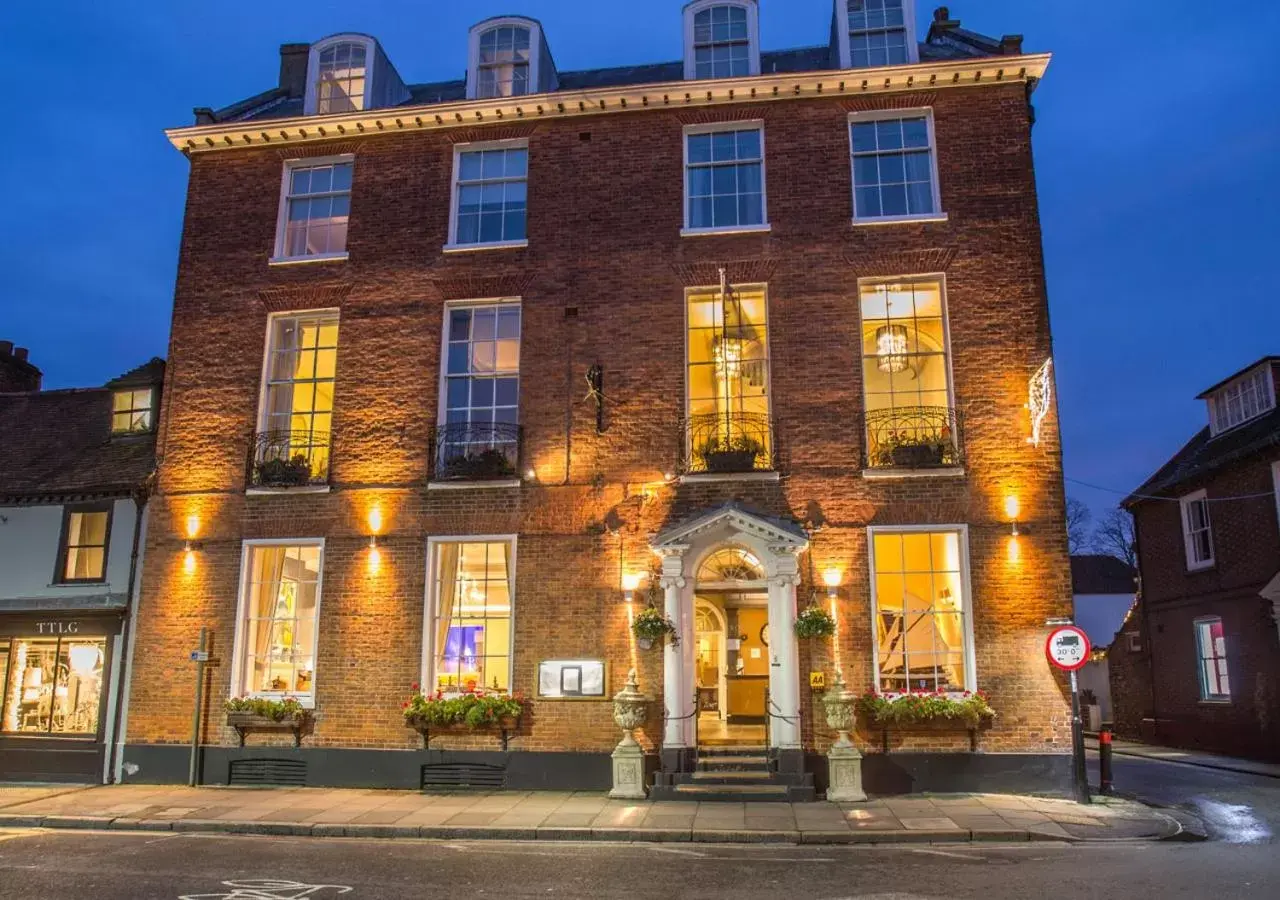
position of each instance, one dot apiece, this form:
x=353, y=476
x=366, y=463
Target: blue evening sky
x=1157, y=149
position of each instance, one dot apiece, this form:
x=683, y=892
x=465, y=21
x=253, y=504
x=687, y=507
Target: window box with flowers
x=467, y=713
x=250, y=714
x=926, y=711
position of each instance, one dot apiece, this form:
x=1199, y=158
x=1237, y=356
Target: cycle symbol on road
x=270, y=889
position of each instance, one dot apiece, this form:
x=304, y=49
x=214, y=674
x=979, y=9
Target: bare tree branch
x=1078, y=516
x=1114, y=536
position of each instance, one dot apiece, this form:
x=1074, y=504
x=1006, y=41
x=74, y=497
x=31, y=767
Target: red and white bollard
x=1104, y=761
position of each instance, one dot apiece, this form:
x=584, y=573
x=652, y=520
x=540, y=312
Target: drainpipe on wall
x=1148, y=635
x=115, y=752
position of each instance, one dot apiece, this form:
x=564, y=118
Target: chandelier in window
x=891, y=348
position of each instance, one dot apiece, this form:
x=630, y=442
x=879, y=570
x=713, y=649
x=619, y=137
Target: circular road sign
x=1068, y=648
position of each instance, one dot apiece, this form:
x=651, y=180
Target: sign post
x=1068, y=648
x=200, y=658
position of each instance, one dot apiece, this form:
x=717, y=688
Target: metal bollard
x=1104, y=761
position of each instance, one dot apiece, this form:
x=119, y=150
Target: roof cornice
x=927, y=76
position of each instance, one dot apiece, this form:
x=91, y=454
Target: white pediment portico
x=777, y=544
x=1272, y=592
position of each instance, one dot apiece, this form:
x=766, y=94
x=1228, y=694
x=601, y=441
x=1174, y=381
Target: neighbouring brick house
x=75, y=471
x=534, y=336
x=1208, y=529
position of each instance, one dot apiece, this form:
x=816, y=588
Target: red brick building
x=1209, y=553
x=454, y=362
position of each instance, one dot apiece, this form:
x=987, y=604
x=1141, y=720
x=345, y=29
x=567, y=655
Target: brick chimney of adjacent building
x=16, y=374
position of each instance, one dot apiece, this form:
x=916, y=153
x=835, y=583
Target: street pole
x=1080, y=775
x=200, y=657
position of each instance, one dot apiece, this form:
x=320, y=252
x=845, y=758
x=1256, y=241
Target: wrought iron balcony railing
x=729, y=442
x=913, y=437
x=283, y=459
x=476, y=451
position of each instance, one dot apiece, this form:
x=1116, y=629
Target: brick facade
x=1246, y=538
x=601, y=282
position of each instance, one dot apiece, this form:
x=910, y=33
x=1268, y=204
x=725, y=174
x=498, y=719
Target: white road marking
x=969, y=856
x=269, y=889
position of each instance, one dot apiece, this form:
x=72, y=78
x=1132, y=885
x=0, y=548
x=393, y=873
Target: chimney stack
x=17, y=375
x=293, y=69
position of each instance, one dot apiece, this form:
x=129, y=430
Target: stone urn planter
x=630, y=710
x=844, y=762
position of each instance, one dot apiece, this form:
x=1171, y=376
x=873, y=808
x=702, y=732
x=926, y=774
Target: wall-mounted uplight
x=1013, y=510
x=375, y=527
x=630, y=584
x=832, y=578
x=193, y=531
x=531, y=475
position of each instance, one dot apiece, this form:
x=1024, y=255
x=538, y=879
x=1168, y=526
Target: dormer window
x=509, y=58
x=876, y=33
x=349, y=73
x=340, y=79
x=132, y=411
x=721, y=39
x=1242, y=400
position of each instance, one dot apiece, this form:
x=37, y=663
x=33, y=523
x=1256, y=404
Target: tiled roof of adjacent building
x=58, y=444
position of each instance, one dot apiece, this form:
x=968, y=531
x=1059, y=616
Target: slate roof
x=1102, y=574
x=58, y=444
x=955, y=43
x=1205, y=454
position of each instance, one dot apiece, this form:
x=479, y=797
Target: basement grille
x=284, y=772
x=463, y=776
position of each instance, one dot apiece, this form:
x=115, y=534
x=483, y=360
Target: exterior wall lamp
x=190, y=545
x=1013, y=509
x=832, y=578
x=375, y=526
x=630, y=584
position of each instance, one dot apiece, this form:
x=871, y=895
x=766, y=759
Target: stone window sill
x=307, y=260
x=496, y=245
x=275, y=492
x=899, y=474
x=732, y=229
x=901, y=220
x=473, y=485
x=714, y=477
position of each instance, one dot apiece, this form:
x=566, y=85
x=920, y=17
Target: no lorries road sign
x=1068, y=648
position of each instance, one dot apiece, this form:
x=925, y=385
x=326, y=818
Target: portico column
x=784, y=657
x=677, y=693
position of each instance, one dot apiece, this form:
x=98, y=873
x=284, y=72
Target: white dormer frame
x=1265, y=382
x=311, y=98
x=842, y=32
x=753, y=33
x=536, y=51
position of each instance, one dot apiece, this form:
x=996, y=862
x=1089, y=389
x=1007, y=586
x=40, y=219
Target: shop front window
x=52, y=685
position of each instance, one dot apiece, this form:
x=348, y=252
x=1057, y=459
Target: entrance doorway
x=731, y=653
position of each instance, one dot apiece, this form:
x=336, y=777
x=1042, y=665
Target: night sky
x=1157, y=148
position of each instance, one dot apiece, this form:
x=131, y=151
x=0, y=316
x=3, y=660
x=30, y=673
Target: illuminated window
x=1242, y=400
x=721, y=42
x=490, y=194
x=504, y=62
x=894, y=170
x=728, y=380
x=131, y=411
x=472, y=587
x=1197, y=530
x=340, y=83
x=911, y=422
x=279, y=616
x=481, y=393
x=85, y=533
x=724, y=178
x=315, y=209
x=923, y=638
x=1211, y=647
x=879, y=32
x=52, y=685
x=297, y=406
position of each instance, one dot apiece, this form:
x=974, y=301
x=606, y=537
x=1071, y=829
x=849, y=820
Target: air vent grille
x=284, y=772
x=463, y=776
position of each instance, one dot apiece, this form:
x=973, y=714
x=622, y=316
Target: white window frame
x=535, y=54
x=452, y=246
x=311, y=99
x=753, y=35
x=939, y=215
x=427, y=670
x=282, y=214
x=842, y=35
x=1185, y=504
x=1205, y=695
x=1266, y=381
x=237, y=671
x=966, y=585
x=747, y=125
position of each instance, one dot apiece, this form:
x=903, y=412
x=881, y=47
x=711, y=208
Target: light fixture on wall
x=1013, y=509
x=193, y=530
x=630, y=584
x=832, y=578
x=375, y=526
x=891, y=348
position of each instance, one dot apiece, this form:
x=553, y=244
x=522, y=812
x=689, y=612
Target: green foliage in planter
x=473, y=710
x=652, y=624
x=882, y=710
x=815, y=622
x=294, y=471
x=491, y=463
x=275, y=710
x=738, y=444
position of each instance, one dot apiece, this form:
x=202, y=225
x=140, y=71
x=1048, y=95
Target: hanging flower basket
x=651, y=626
x=815, y=622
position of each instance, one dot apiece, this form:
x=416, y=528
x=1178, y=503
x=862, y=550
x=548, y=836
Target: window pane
x=279, y=627
x=472, y=616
